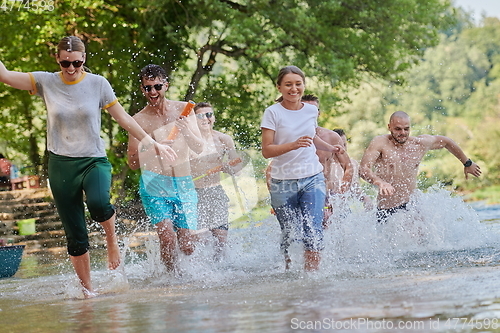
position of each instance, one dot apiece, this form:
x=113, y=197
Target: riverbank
x=490, y=194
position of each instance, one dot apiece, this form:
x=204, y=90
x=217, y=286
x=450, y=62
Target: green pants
x=70, y=178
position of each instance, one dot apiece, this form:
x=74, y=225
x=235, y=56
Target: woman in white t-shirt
x=77, y=156
x=297, y=183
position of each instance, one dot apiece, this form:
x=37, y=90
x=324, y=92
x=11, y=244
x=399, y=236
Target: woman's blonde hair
x=71, y=44
x=288, y=70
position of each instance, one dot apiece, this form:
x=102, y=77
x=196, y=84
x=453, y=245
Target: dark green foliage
x=221, y=51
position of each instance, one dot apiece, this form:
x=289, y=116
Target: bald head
x=399, y=126
x=399, y=115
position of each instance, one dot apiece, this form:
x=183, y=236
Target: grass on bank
x=259, y=213
x=490, y=194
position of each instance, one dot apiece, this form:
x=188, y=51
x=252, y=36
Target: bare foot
x=311, y=260
x=288, y=262
x=89, y=294
x=114, y=259
x=170, y=263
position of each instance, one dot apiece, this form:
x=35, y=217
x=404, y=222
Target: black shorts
x=213, y=208
x=383, y=214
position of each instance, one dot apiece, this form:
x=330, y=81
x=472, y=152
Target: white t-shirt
x=288, y=126
x=74, y=112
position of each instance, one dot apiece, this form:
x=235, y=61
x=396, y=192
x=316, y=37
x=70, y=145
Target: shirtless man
x=337, y=173
x=213, y=203
x=335, y=182
x=391, y=163
x=166, y=188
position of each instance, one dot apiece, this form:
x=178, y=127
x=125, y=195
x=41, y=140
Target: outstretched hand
x=182, y=123
x=338, y=149
x=165, y=152
x=385, y=188
x=344, y=187
x=303, y=141
x=474, y=170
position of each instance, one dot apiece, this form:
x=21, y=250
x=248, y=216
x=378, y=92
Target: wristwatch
x=468, y=163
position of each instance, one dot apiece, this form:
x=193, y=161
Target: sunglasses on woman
x=66, y=63
x=202, y=115
x=157, y=87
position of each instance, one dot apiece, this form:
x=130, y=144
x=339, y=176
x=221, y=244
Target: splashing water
x=435, y=222
x=437, y=260
x=437, y=227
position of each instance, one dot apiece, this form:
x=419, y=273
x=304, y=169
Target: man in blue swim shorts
x=166, y=188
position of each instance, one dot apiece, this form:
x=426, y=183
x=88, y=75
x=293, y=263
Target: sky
x=490, y=7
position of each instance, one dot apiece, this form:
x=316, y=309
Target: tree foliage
x=453, y=91
x=221, y=51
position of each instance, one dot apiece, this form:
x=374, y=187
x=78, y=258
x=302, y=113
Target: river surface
x=435, y=268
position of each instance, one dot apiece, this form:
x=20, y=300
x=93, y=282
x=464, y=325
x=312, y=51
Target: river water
x=432, y=269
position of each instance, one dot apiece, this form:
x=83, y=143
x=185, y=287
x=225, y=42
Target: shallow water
x=434, y=268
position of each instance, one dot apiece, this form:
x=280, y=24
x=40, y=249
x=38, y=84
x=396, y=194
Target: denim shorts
x=298, y=204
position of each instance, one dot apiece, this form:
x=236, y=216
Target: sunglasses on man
x=202, y=115
x=157, y=87
x=66, y=63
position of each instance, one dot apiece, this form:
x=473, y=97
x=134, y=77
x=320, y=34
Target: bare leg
x=311, y=260
x=81, y=264
x=168, y=243
x=327, y=213
x=112, y=243
x=288, y=262
x=198, y=236
x=220, y=242
x=186, y=241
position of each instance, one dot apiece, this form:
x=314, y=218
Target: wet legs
x=169, y=239
x=220, y=242
x=81, y=264
x=311, y=260
x=111, y=243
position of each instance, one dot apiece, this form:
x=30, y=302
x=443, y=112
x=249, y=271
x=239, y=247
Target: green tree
x=223, y=51
x=453, y=91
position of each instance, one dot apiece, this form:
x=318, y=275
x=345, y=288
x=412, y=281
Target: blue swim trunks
x=169, y=198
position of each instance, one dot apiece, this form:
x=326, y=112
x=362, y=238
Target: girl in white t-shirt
x=297, y=183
